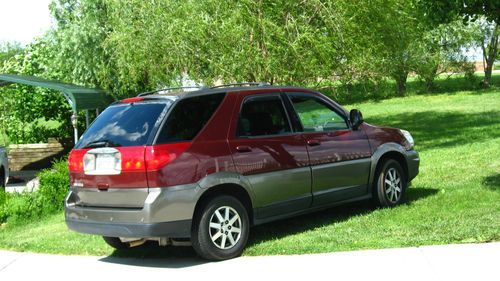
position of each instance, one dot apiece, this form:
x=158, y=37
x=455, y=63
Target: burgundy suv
x=204, y=166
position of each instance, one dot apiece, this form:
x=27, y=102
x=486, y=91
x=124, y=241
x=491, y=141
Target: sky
x=23, y=20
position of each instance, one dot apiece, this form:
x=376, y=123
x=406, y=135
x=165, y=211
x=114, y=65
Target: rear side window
x=188, y=117
x=262, y=116
x=128, y=124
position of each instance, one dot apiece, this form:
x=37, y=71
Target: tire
x=390, y=185
x=216, y=239
x=2, y=178
x=116, y=243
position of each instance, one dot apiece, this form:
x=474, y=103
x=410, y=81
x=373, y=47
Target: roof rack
x=169, y=89
x=242, y=84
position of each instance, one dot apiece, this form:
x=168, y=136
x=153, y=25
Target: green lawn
x=455, y=199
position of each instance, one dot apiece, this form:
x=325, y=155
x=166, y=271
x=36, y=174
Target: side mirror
x=356, y=118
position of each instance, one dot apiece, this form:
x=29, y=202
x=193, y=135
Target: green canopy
x=78, y=97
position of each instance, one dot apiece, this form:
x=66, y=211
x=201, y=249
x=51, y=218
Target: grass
x=455, y=199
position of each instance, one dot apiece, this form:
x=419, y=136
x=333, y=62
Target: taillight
x=75, y=160
x=133, y=158
x=158, y=156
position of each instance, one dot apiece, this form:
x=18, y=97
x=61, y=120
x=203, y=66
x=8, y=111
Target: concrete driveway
x=447, y=262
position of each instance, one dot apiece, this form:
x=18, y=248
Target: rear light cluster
x=133, y=158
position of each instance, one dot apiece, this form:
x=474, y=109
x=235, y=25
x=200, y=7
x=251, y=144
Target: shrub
x=49, y=198
x=54, y=184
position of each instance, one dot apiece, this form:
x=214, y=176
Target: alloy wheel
x=393, y=185
x=225, y=227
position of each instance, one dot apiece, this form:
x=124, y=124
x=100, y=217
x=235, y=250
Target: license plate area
x=102, y=161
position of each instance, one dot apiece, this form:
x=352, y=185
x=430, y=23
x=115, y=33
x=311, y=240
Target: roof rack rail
x=169, y=89
x=242, y=84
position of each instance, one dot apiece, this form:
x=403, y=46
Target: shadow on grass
x=152, y=255
x=280, y=229
x=492, y=182
x=432, y=129
x=368, y=91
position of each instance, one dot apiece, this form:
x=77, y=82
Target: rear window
x=188, y=117
x=128, y=124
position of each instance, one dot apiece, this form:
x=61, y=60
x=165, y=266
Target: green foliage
x=21, y=107
x=17, y=208
x=9, y=50
x=54, y=184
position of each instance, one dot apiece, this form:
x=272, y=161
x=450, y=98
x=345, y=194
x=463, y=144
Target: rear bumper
x=165, y=212
x=175, y=229
x=413, y=163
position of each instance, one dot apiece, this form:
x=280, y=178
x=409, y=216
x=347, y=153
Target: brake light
x=158, y=156
x=132, y=99
x=75, y=160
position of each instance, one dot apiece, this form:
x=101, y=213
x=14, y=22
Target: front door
x=339, y=156
x=271, y=156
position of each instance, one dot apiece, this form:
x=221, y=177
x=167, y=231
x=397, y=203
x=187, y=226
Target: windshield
x=127, y=124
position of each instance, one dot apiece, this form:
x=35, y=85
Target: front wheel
x=221, y=229
x=390, y=185
x=2, y=178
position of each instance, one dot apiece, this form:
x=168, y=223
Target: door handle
x=243, y=148
x=313, y=142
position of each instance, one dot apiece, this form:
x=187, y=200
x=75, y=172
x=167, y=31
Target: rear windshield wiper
x=100, y=143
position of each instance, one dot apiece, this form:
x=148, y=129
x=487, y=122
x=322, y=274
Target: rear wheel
x=116, y=243
x=220, y=229
x=390, y=185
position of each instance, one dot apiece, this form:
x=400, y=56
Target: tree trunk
x=490, y=54
x=401, y=83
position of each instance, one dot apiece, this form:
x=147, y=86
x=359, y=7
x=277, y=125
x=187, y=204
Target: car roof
x=181, y=94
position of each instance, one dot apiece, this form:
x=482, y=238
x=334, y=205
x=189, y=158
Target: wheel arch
x=388, y=151
x=231, y=189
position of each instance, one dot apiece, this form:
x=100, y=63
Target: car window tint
x=128, y=124
x=262, y=116
x=188, y=117
x=315, y=115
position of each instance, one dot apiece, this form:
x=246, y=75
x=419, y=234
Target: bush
x=54, y=184
x=49, y=198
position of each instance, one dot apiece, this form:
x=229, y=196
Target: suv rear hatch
x=108, y=164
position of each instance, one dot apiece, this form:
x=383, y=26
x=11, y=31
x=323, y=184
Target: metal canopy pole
x=86, y=118
x=74, y=122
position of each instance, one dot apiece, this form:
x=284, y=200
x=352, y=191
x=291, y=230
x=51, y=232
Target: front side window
x=263, y=116
x=315, y=115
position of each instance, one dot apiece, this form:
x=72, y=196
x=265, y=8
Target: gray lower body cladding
x=413, y=163
x=174, y=229
x=164, y=212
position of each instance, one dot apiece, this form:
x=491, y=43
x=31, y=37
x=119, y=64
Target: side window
x=188, y=117
x=315, y=115
x=262, y=116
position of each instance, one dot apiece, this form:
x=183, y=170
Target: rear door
x=271, y=156
x=339, y=156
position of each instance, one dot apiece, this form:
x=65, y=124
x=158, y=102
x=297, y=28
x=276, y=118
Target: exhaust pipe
x=136, y=243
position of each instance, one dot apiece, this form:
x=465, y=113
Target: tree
x=390, y=29
x=272, y=41
x=23, y=106
x=441, y=50
x=9, y=50
x=444, y=11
